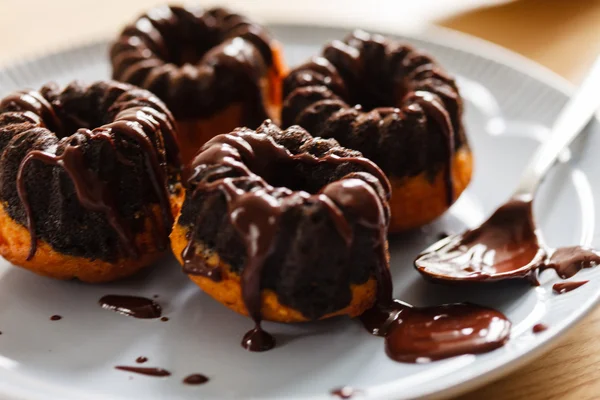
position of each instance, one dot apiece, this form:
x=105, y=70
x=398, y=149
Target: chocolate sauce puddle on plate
x=149, y=371
x=195, y=379
x=55, y=318
x=132, y=306
x=258, y=340
x=537, y=328
x=141, y=359
x=564, y=287
x=506, y=246
x=416, y=335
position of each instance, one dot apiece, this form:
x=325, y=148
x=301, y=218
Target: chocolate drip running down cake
x=215, y=70
x=281, y=226
x=398, y=107
x=85, y=179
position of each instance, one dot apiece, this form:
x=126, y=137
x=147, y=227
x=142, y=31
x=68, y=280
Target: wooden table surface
x=560, y=34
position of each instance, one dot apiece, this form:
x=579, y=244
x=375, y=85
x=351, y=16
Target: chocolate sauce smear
x=158, y=372
x=537, y=328
x=132, y=306
x=345, y=392
x=506, y=246
x=195, y=379
x=567, y=261
x=564, y=287
x=416, y=335
x=141, y=360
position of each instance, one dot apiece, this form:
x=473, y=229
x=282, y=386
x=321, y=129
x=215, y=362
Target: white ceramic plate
x=509, y=105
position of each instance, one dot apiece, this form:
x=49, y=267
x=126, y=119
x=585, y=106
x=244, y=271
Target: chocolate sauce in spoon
x=506, y=246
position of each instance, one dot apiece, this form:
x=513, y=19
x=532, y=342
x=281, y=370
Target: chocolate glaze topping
x=256, y=213
x=132, y=306
x=197, y=61
x=384, y=98
x=157, y=372
x=195, y=379
x=126, y=115
x=564, y=287
x=506, y=246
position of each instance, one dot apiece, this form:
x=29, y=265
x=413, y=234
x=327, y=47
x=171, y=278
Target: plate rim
x=437, y=35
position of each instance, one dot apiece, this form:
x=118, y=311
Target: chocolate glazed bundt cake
x=281, y=226
x=215, y=70
x=86, y=173
x=399, y=108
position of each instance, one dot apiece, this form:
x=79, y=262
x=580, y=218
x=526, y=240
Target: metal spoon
x=508, y=245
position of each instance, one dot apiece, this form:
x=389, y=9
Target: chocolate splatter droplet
x=158, y=372
x=132, y=306
x=195, y=379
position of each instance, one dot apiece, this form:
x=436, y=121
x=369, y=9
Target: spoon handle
x=568, y=125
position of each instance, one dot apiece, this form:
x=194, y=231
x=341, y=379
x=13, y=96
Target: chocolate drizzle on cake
x=256, y=213
x=434, y=108
x=197, y=61
x=126, y=114
x=506, y=246
x=384, y=98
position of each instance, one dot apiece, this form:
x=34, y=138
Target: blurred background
x=563, y=35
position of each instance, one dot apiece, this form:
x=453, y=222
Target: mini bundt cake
x=395, y=105
x=214, y=69
x=86, y=176
x=281, y=226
